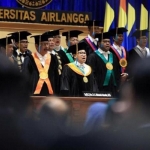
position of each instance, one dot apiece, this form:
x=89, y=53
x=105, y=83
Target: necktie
x=144, y=52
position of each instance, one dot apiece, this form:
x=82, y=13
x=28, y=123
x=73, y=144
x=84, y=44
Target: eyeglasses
x=82, y=53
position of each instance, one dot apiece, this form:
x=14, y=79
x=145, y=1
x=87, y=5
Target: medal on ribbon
x=109, y=66
x=123, y=62
x=85, y=79
x=43, y=75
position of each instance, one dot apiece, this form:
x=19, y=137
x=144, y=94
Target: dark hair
x=13, y=86
x=141, y=81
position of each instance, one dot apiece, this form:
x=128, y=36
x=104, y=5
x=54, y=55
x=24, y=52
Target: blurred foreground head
x=54, y=109
x=14, y=93
x=141, y=82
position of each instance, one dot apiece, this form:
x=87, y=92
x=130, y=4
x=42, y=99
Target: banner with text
x=44, y=16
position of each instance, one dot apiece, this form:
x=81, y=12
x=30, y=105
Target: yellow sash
x=43, y=74
x=78, y=71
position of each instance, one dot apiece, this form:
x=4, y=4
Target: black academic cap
x=93, y=22
x=105, y=35
x=44, y=37
x=36, y=38
x=20, y=34
x=5, y=41
x=119, y=30
x=40, y=38
x=138, y=33
x=49, y=34
x=74, y=48
x=72, y=33
x=55, y=32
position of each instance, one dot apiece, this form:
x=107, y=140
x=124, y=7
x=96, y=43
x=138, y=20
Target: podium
x=78, y=106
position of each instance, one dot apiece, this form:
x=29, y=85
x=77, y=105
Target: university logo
x=34, y=4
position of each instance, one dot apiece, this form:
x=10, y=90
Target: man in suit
x=140, y=51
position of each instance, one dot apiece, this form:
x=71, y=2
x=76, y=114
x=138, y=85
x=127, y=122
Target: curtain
x=97, y=7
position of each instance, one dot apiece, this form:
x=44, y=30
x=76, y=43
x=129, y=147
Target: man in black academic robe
x=119, y=51
x=7, y=47
x=77, y=77
x=71, y=39
x=140, y=51
x=105, y=66
x=91, y=43
x=22, y=44
x=33, y=74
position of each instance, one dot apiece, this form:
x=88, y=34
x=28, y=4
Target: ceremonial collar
x=117, y=47
x=78, y=64
x=103, y=52
x=92, y=39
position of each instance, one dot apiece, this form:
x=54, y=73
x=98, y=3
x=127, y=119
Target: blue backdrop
x=97, y=7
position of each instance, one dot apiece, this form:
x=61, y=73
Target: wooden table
x=78, y=106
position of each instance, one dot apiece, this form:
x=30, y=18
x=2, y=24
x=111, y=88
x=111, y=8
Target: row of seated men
x=90, y=65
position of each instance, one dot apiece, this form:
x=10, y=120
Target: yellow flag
x=143, y=18
x=122, y=21
x=131, y=17
x=109, y=17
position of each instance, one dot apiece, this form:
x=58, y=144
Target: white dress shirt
x=105, y=54
x=42, y=58
x=118, y=48
x=145, y=49
x=93, y=40
x=18, y=53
